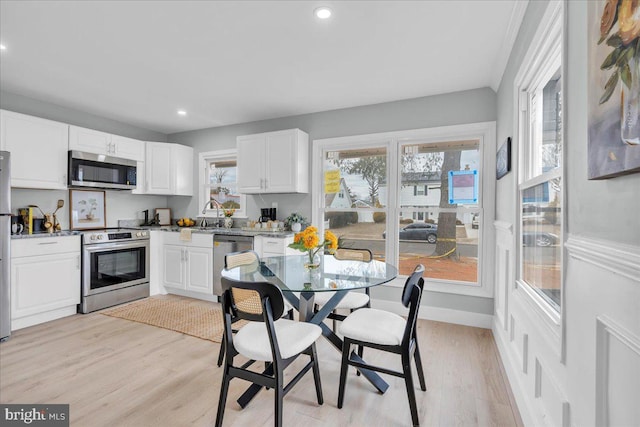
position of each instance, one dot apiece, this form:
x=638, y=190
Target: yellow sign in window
x=332, y=181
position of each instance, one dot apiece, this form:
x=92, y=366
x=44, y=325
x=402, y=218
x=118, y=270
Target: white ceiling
x=228, y=62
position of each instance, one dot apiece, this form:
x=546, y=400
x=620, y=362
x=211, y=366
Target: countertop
x=63, y=233
x=225, y=231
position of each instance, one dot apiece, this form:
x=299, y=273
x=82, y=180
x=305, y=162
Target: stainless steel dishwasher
x=222, y=245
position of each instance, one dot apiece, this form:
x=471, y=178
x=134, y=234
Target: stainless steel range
x=115, y=267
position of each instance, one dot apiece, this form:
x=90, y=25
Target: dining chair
x=388, y=332
x=352, y=300
x=236, y=259
x=276, y=342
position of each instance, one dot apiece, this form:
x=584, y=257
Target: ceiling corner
x=517, y=15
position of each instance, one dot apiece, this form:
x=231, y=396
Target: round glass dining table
x=299, y=284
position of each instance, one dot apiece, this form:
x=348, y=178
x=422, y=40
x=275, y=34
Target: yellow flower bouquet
x=308, y=241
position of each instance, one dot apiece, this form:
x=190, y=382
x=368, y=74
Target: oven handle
x=116, y=245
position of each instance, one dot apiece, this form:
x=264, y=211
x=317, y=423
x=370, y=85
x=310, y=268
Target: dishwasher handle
x=228, y=238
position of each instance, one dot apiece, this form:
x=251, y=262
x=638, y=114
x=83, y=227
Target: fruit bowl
x=185, y=222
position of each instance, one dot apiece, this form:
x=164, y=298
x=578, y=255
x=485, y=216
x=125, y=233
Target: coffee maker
x=267, y=214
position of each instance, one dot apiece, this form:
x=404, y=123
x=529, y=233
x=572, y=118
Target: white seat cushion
x=374, y=326
x=350, y=301
x=252, y=340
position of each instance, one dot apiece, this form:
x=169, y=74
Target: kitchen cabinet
x=168, y=169
x=268, y=246
x=188, y=266
x=45, y=279
x=93, y=141
x=273, y=162
x=38, y=150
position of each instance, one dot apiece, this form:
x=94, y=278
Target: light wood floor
x=115, y=372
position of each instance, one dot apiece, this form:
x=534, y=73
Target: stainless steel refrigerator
x=5, y=245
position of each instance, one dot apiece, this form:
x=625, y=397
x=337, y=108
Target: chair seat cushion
x=252, y=340
x=350, y=301
x=374, y=326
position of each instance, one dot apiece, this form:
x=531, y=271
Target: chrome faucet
x=211, y=202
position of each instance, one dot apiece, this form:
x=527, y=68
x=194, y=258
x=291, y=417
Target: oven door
x=110, y=266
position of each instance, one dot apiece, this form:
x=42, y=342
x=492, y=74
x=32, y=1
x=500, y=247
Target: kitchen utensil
x=56, y=224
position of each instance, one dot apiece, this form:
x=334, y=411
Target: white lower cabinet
x=188, y=266
x=268, y=246
x=45, y=279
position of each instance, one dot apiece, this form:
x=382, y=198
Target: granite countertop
x=225, y=231
x=63, y=233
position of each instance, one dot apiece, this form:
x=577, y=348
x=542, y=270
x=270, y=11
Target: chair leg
x=411, y=394
x=223, y=346
x=223, y=397
x=416, y=356
x=316, y=374
x=360, y=353
x=335, y=323
x=279, y=395
x=346, y=348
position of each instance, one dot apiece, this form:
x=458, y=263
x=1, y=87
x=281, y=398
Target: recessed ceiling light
x=182, y=113
x=322, y=12
x=3, y=47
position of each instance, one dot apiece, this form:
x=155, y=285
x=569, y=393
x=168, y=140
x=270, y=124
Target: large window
x=219, y=182
x=391, y=194
x=540, y=190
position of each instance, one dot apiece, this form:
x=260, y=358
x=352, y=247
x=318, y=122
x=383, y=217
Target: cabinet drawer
x=197, y=239
x=44, y=246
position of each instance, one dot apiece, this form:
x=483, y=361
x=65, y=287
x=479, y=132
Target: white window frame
x=542, y=60
x=485, y=132
x=203, y=160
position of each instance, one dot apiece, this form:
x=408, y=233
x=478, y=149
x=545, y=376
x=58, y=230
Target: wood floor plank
x=115, y=372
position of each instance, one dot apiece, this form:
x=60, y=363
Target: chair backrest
x=252, y=300
x=411, y=296
x=234, y=259
x=353, y=254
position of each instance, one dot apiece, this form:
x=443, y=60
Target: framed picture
x=613, y=89
x=503, y=159
x=164, y=216
x=87, y=209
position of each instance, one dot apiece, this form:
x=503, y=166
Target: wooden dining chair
x=389, y=332
x=276, y=342
x=237, y=259
x=353, y=299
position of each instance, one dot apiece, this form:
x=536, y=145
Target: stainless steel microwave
x=100, y=171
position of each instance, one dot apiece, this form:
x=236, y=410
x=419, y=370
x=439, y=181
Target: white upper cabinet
x=169, y=169
x=273, y=162
x=93, y=141
x=38, y=150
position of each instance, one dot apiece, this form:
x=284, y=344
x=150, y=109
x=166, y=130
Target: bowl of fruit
x=185, y=222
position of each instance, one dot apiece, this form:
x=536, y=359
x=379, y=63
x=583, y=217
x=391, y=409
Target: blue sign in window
x=463, y=187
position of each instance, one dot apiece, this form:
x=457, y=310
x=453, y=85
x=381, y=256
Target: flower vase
x=228, y=222
x=630, y=108
x=313, y=261
x=296, y=227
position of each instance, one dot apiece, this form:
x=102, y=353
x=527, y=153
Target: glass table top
x=289, y=273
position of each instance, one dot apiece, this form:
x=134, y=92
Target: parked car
x=539, y=238
x=418, y=231
x=474, y=222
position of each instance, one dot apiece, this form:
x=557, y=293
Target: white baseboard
x=513, y=368
x=438, y=314
x=47, y=316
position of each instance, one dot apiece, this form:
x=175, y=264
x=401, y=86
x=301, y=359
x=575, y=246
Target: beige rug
x=201, y=319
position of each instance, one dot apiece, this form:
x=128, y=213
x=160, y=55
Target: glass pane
x=358, y=230
x=419, y=235
x=541, y=242
x=223, y=183
x=355, y=178
x=550, y=148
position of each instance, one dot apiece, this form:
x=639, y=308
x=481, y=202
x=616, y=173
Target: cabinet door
x=199, y=268
x=38, y=150
x=183, y=158
x=43, y=283
x=251, y=164
x=127, y=148
x=159, y=171
x=90, y=141
x=281, y=162
x=173, y=266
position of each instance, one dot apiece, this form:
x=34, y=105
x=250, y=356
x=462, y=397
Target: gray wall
x=119, y=205
x=471, y=106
